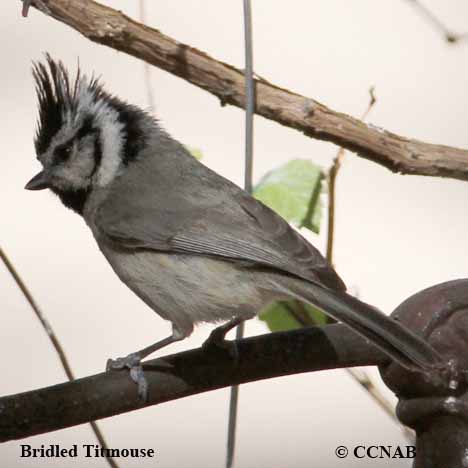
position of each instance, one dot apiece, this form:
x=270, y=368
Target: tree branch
x=180, y=375
x=109, y=27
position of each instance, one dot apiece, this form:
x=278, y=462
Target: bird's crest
x=60, y=97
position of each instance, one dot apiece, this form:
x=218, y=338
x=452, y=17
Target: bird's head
x=84, y=134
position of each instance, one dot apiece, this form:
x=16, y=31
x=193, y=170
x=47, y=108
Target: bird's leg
x=133, y=361
x=218, y=337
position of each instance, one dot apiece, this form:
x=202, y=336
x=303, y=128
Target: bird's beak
x=38, y=182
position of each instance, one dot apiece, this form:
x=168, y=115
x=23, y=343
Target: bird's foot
x=217, y=339
x=133, y=363
x=127, y=362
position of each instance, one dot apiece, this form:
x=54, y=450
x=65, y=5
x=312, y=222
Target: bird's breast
x=202, y=288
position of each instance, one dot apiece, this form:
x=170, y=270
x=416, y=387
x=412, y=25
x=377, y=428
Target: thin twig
x=332, y=173
x=55, y=342
x=146, y=67
x=248, y=169
x=27, y=5
x=431, y=18
x=364, y=380
x=360, y=377
x=25, y=9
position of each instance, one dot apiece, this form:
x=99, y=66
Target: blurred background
x=395, y=235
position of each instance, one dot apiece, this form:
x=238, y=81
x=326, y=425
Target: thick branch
x=112, y=28
x=184, y=374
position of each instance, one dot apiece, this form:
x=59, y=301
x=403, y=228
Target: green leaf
x=289, y=315
x=278, y=317
x=195, y=152
x=293, y=191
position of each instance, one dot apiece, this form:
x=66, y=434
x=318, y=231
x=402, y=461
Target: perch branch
x=180, y=375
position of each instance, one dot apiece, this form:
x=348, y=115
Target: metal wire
x=249, y=113
x=146, y=66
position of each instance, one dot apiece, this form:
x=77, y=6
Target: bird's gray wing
x=192, y=210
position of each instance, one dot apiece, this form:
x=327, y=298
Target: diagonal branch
x=109, y=27
x=184, y=374
x=55, y=343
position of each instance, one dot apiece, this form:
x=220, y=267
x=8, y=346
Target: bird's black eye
x=63, y=152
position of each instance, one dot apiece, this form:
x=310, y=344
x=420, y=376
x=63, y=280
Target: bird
x=191, y=244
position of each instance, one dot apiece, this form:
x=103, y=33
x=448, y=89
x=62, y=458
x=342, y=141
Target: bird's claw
x=138, y=376
x=217, y=340
x=132, y=360
x=133, y=363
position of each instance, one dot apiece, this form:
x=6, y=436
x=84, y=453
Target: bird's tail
x=390, y=336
